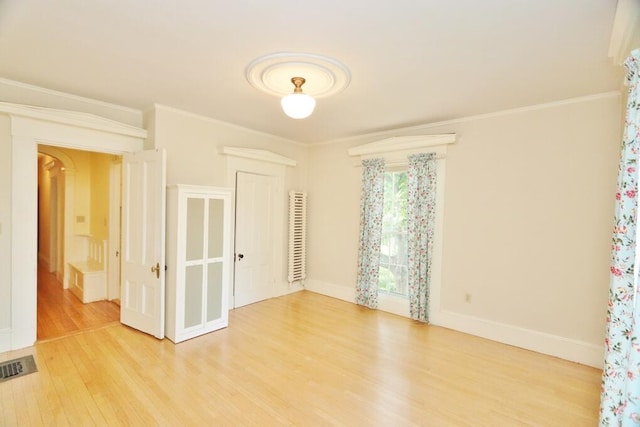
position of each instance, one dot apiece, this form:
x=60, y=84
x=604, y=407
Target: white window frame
x=395, y=152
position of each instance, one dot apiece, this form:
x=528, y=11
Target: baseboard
x=289, y=288
x=344, y=293
x=5, y=340
x=15, y=339
x=541, y=342
x=552, y=345
x=23, y=337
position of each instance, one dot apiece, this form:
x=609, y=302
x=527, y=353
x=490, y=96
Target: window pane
x=393, y=249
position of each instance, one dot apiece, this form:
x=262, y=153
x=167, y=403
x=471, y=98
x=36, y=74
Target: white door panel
x=254, y=238
x=143, y=235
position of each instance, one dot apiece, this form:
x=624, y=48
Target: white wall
x=193, y=143
x=528, y=214
x=527, y=224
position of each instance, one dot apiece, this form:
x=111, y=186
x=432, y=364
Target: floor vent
x=17, y=367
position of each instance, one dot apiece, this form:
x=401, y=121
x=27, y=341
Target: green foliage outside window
x=393, y=250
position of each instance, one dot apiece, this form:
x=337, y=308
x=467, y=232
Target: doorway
x=29, y=127
x=265, y=171
x=75, y=200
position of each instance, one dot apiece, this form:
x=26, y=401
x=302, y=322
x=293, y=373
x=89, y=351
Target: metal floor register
x=17, y=367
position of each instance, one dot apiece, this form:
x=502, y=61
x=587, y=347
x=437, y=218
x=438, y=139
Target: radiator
x=297, y=236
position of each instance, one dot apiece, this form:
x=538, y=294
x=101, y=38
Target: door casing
x=29, y=127
x=264, y=163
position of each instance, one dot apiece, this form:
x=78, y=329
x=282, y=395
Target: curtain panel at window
x=421, y=209
x=620, y=397
x=371, y=208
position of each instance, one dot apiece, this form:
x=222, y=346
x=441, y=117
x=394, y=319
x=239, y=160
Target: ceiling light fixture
x=323, y=77
x=298, y=105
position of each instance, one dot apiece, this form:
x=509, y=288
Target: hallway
x=60, y=313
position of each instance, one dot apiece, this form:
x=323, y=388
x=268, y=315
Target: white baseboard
x=22, y=337
x=16, y=338
x=541, y=342
x=286, y=288
x=552, y=345
x=344, y=293
x=5, y=340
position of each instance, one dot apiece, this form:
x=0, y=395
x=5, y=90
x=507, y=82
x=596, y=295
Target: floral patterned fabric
x=620, y=395
x=371, y=207
x=421, y=209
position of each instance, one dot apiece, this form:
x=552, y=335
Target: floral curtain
x=421, y=205
x=371, y=207
x=620, y=395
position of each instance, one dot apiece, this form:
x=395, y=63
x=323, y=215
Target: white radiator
x=297, y=236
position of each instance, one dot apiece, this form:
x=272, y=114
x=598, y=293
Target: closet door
x=198, y=240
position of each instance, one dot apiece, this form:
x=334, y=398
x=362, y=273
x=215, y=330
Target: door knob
x=240, y=256
x=156, y=269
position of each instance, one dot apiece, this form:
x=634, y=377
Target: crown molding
x=56, y=93
x=196, y=116
x=625, y=34
x=426, y=126
x=261, y=155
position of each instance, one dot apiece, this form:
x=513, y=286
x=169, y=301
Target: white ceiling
x=411, y=61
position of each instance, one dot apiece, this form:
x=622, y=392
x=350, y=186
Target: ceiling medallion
x=274, y=73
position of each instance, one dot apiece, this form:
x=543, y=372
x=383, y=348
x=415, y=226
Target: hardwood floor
x=302, y=359
x=61, y=313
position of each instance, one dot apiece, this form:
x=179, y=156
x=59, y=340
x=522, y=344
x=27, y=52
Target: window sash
x=393, y=250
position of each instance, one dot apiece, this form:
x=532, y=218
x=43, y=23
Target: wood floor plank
x=61, y=313
x=301, y=360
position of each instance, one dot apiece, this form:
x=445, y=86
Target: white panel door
x=254, y=239
x=143, y=234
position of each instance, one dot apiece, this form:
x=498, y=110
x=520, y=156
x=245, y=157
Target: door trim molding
x=115, y=247
x=30, y=127
x=240, y=163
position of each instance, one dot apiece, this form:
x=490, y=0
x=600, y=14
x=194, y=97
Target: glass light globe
x=298, y=105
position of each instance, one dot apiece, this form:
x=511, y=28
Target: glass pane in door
x=214, y=291
x=195, y=228
x=193, y=296
x=216, y=224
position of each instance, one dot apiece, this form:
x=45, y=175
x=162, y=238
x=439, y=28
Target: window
x=392, y=262
x=393, y=250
